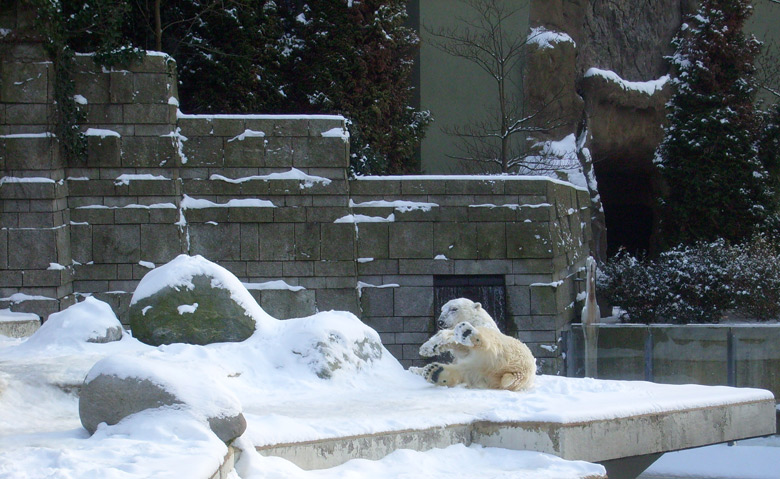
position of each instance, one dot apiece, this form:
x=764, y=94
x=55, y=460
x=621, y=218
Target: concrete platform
x=18, y=325
x=625, y=445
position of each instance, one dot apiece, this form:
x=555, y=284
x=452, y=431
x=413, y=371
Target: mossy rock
x=203, y=314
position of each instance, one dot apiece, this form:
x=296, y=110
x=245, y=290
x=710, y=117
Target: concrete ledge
x=608, y=440
x=18, y=325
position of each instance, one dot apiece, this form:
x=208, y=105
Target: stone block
x=11, y=279
x=485, y=266
x=296, y=269
x=289, y=215
x=266, y=125
x=31, y=249
x=116, y=243
x=372, y=240
x=95, y=272
x=290, y=127
x=152, y=88
x=120, y=87
x=104, y=114
x=378, y=266
x=474, y=187
x=208, y=240
x=518, y=300
x=529, y=240
x=279, y=152
x=285, y=304
x=29, y=153
x=161, y=243
x=201, y=151
x=131, y=215
x=543, y=299
x=377, y=302
x=195, y=126
x=92, y=85
x=249, y=241
x=426, y=266
x=375, y=186
x=422, y=187
x=147, y=113
x=247, y=152
x=104, y=151
x=491, y=240
x=455, y=240
x=3, y=249
x=276, y=242
x=519, y=186
x=155, y=63
x=320, y=152
x=318, y=126
x=251, y=214
x=148, y=151
x=342, y=299
x=228, y=127
x=25, y=82
x=329, y=268
x=411, y=240
x=338, y=241
x=307, y=241
x=413, y=301
x=382, y=324
x=265, y=270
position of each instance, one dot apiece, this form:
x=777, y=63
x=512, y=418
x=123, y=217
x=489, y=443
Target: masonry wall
x=269, y=198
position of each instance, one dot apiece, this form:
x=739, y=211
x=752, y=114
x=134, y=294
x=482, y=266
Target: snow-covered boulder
x=121, y=385
x=192, y=300
x=331, y=341
x=90, y=321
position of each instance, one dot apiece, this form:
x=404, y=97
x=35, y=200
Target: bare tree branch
x=502, y=141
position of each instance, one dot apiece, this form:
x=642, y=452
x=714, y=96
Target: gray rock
x=217, y=318
x=110, y=399
x=110, y=334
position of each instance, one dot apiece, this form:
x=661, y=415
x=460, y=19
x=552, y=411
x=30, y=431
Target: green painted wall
x=765, y=25
x=453, y=89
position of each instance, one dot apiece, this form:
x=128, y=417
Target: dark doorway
x=489, y=290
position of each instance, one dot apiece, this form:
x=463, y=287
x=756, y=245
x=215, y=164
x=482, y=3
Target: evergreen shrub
x=696, y=283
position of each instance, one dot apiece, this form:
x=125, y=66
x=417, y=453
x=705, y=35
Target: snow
x=273, y=285
x=6, y=315
x=260, y=117
x=27, y=179
x=647, y=87
x=365, y=219
x=247, y=134
x=292, y=174
x=543, y=38
x=102, y=133
x=22, y=297
x=126, y=178
x=338, y=132
x=80, y=100
x=749, y=459
x=400, y=205
x=190, y=203
x=272, y=378
x=29, y=135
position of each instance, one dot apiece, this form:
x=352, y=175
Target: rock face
x=109, y=399
x=200, y=307
x=623, y=127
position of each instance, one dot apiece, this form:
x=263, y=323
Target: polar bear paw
x=433, y=373
x=436, y=345
x=464, y=333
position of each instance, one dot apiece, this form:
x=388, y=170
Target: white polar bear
x=493, y=360
x=458, y=310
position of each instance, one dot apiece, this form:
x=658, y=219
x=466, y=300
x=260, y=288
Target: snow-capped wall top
x=648, y=87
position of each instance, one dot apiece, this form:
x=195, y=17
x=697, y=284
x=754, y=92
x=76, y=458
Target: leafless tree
x=502, y=138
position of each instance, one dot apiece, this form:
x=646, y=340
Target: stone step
x=18, y=325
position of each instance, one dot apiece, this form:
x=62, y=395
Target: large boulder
x=192, y=300
x=120, y=386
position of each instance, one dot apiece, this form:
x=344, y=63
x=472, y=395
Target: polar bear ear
x=477, y=305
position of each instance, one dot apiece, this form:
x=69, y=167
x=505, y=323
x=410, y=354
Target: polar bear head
x=459, y=310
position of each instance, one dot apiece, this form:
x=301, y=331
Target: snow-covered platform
x=625, y=425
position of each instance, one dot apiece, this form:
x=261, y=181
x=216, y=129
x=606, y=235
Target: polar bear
x=458, y=310
x=493, y=361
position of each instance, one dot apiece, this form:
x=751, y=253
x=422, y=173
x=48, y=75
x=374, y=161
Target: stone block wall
x=269, y=198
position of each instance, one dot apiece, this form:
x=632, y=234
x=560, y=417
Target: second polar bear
x=494, y=360
x=458, y=310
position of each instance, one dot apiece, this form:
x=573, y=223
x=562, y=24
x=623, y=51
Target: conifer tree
x=716, y=184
